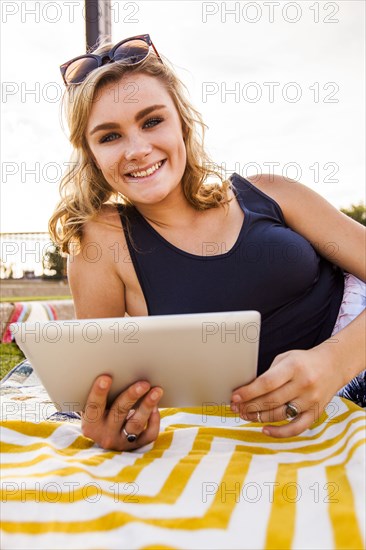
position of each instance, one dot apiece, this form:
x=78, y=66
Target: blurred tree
x=357, y=212
x=54, y=265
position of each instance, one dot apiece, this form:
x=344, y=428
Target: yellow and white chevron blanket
x=210, y=480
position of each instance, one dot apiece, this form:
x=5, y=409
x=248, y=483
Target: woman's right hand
x=106, y=426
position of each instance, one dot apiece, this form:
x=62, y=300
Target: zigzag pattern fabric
x=210, y=480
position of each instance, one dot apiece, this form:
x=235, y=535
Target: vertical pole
x=97, y=22
x=105, y=23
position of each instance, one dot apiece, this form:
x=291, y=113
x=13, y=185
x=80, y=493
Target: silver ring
x=259, y=417
x=130, y=437
x=291, y=411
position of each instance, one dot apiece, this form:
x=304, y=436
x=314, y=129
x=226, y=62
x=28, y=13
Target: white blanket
x=210, y=481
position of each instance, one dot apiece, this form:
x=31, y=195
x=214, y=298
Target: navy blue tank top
x=270, y=268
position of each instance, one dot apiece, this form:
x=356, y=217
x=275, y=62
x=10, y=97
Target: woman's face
x=135, y=135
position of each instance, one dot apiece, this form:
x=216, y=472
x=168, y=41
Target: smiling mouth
x=148, y=172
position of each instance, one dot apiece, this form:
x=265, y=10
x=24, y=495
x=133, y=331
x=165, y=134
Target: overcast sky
x=295, y=71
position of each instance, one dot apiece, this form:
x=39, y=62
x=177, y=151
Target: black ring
x=131, y=438
x=291, y=411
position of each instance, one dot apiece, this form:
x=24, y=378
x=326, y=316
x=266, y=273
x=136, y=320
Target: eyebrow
x=139, y=116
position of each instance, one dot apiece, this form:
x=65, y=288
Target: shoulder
x=104, y=225
x=102, y=239
x=332, y=233
x=277, y=187
x=298, y=202
x=293, y=197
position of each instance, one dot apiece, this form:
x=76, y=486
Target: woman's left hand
x=306, y=379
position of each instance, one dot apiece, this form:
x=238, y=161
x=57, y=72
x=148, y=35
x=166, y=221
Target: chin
x=152, y=199
x=156, y=195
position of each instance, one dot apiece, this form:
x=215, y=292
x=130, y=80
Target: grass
x=10, y=356
x=33, y=298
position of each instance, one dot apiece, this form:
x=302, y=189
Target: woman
x=151, y=238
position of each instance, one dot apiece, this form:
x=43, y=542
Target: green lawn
x=10, y=355
x=33, y=298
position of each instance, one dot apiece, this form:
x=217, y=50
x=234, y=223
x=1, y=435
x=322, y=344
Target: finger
x=266, y=383
x=293, y=428
x=97, y=400
x=124, y=403
x=110, y=437
x=152, y=430
x=269, y=402
x=138, y=422
x=275, y=414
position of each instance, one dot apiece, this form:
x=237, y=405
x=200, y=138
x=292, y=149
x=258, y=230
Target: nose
x=137, y=148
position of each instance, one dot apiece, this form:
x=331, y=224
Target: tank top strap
x=254, y=200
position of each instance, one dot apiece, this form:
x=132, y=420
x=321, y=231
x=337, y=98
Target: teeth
x=147, y=172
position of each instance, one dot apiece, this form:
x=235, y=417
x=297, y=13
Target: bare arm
x=310, y=378
x=338, y=238
x=94, y=274
x=98, y=290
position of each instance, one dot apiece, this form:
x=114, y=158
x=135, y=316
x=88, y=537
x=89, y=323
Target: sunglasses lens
x=79, y=69
x=131, y=52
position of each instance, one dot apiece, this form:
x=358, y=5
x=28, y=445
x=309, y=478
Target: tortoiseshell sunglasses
x=130, y=51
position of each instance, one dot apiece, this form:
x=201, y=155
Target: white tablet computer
x=198, y=359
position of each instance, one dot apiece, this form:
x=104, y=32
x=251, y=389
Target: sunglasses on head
x=130, y=51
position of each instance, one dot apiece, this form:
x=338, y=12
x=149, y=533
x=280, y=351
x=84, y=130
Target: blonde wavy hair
x=83, y=188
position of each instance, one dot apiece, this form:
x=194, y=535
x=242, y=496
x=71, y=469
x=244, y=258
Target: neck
x=173, y=211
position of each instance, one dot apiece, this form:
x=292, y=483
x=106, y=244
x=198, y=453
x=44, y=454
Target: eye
x=151, y=122
x=109, y=137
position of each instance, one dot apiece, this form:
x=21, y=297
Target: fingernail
x=155, y=395
x=266, y=431
x=155, y=409
x=140, y=388
x=234, y=408
x=103, y=383
x=236, y=398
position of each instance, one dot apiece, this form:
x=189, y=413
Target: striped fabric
x=210, y=481
x=28, y=311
